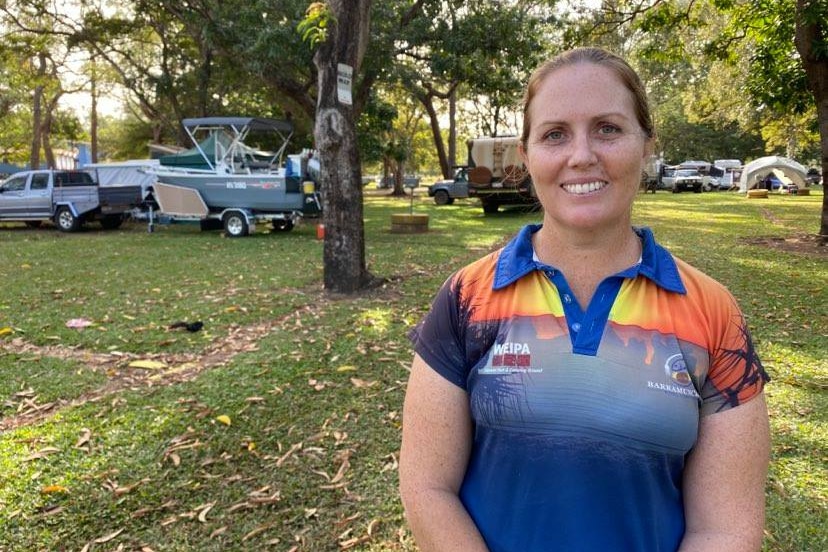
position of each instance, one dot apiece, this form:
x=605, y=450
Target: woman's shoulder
x=695, y=279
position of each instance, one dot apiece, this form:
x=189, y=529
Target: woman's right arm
x=436, y=443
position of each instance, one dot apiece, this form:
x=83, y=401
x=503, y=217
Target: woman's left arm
x=724, y=481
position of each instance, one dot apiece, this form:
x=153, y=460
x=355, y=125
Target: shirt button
x=576, y=327
x=567, y=298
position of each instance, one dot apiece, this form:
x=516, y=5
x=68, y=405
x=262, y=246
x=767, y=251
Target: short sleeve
x=736, y=374
x=438, y=338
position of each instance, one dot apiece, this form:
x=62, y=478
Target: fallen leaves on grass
x=83, y=441
x=42, y=453
x=54, y=489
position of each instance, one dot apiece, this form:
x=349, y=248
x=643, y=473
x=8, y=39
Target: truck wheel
x=66, y=221
x=490, y=207
x=111, y=222
x=697, y=189
x=283, y=225
x=676, y=189
x=441, y=197
x=235, y=225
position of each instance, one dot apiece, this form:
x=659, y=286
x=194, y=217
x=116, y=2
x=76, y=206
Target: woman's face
x=585, y=149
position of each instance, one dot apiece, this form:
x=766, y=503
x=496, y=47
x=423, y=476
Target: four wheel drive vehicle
x=445, y=192
x=496, y=174
x=813, y=177
x=67, y=198
x=683, y=179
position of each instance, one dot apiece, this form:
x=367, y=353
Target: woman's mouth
x=584, y=187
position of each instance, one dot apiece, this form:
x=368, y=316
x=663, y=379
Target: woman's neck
x=586, y=258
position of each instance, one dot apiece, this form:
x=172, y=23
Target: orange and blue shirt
x=583, y=418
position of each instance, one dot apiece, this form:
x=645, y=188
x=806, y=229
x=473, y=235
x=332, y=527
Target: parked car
x=445, y=192
x=813, y=177
x=67, y=198
x=683, y=179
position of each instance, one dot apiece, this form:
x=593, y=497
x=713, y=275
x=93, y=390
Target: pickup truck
x=496, y=174
x=67, y=198
x=445, y=192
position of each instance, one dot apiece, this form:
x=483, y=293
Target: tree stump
x=404, y=223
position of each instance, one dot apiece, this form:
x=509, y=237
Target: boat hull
x=262, y=192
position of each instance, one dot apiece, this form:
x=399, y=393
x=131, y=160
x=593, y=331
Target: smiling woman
x=581, y=388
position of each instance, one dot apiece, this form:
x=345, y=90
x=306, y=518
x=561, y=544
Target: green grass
x=314, y=399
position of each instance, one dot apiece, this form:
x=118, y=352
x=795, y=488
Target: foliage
x=277, y=425
x=314, y=28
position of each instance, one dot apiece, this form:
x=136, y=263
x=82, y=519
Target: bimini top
x=251, y=123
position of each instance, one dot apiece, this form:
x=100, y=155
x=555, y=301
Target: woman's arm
x=724, y=481
x=436, y=443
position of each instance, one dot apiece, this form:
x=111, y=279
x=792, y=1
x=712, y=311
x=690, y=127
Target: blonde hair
x=626, y=74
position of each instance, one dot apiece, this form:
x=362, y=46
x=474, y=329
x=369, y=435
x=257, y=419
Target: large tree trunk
x=811, y=40
x=335, y=134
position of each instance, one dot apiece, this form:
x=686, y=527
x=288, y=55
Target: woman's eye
x=608, y=131
x=554, y=136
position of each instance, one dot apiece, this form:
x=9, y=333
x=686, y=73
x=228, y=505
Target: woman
x=581, y=389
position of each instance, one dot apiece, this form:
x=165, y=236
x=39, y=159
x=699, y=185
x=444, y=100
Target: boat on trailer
x=223, y=178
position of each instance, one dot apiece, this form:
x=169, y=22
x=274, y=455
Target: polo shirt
x=583, y=418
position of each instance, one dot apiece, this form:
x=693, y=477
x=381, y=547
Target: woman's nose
x=582, y=151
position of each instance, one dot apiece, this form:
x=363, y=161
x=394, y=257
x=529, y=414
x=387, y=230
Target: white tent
x=758, y=169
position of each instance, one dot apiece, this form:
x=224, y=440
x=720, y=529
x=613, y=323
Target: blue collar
x=657, y=264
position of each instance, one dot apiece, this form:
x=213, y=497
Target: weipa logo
x=511, y=354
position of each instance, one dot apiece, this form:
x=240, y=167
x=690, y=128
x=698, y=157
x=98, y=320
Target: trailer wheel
x=66, y=221
x=441, y=197
x=283, y=225
x=111, y=222
x=235, y=225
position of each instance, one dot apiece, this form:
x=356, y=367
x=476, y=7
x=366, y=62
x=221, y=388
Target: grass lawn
x=277, y=426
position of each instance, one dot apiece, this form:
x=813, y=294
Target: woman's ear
x=522, y=153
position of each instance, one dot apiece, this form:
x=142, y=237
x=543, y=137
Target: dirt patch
x=802, y=244
x=122, y=374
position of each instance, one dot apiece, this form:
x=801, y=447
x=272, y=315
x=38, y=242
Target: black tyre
x=235, y=225
x=111, y=222
x=66, y=221
x=676, y=189
x=490, y=207
x=441, y=197
x=697, y=189
x=283, y=225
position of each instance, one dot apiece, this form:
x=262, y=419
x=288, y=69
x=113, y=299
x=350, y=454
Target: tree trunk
x=452, y=137
x=428, y=102
x=811, y=40
x=399, y=178
x=335, y=135
x=93, y=117
x=37, y=115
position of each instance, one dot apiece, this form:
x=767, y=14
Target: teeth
x=584, y=188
